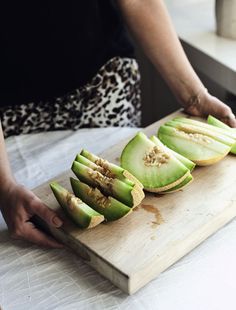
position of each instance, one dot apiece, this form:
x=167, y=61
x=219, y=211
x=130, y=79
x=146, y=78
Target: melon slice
x=202, y=150
x=78, y=211
x=108, y=206
x=185, y=161
x=107, y=168
x=152, y=165
x=222, y=126
x=129, y=195
x=115, y=174
x=194, y=127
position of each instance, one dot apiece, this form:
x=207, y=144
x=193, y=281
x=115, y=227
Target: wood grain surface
x=132, y=251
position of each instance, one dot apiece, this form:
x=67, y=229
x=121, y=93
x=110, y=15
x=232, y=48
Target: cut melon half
x=220, y=125
x=199, y=148
x=109, y=207
x=155, y=168
x=78, y=211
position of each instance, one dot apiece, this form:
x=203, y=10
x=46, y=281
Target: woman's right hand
x=18, y=205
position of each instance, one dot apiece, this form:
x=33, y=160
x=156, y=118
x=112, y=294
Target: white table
x=35, y=278
x=194, y=21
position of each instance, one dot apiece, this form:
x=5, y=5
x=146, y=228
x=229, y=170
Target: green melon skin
x=153, y=178
x=117, y=171
x=78, y=211
x=203, y=153
x=109, y=207
x=185, y=161
x=190, y=126
x=218, y=124
x=180, y=186
x=112, y=187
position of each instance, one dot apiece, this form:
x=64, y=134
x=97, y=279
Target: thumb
x=49, y=216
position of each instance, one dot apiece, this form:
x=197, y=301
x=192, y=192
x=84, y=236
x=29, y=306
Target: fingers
x=220, y=110
x=49, y=216
x=29, y=233
x=229, y=120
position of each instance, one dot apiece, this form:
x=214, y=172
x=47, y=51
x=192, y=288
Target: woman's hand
x=150, y=23
x=205, y=104
x=18, y=205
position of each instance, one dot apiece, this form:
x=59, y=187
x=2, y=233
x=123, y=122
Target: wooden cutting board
x=134, y=250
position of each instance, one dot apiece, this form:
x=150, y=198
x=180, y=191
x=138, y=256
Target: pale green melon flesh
x=215, y=122
x=113, y=187
x=152, y=177
x=218, y=124
x=190, y=128
x=117, y=171
x=210, y=126
x=204, y=152
x=111, y=208
x=180, y=186
x=185, y=161
x=78, y=211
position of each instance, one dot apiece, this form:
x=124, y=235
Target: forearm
x=6, y=176
x=150, y=23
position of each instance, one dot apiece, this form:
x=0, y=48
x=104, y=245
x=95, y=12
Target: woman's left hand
x=207, y=104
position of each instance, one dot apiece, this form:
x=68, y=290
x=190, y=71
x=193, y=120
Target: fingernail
x=57, y=221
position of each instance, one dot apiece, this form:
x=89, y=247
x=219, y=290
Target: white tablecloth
x=35, y=278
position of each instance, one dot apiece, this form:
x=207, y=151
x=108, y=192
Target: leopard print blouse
x=112, y=98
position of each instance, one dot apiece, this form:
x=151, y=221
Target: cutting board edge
x=90, y=257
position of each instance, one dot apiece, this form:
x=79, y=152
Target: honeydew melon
x=129, y=195
x=109, y=207
x=201, y=149
x=152, y=165
x=222, y=126
x=194, y=127
x=78, y=211
x=185, y=161
x=110, y=169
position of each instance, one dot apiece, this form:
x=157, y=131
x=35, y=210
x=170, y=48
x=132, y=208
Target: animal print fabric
x=112, y=98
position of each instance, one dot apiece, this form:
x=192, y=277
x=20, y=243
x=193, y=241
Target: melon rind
x=78, y=211
x=220, y=125
x=112, y=209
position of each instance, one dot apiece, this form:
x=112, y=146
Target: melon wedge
x=107, y=168
x=113, y=171
x=155, y=168
x=127, y=194
x=194, y=127
x=222, y=126
x=78, y=211
x=185, y=161
x=109, y=207
x=201, y=149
